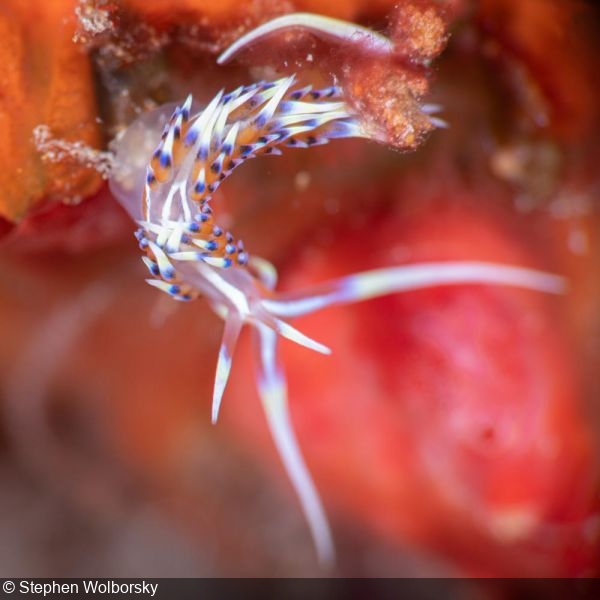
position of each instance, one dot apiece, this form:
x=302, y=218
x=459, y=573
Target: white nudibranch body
x=166, y=182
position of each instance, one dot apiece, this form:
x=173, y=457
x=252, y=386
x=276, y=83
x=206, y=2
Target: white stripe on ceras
x=165, y=267
x=173, y=244
x=268, y=110
x=195, y=133
x=229, y=141
x=205, y=139
x=176, y=188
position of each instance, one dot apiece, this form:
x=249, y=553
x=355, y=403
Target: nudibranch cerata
x=166, y=183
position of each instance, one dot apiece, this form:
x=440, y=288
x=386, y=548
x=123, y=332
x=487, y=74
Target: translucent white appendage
x=291, y=333
x=380, y=282
x=322, y=26
x=233, y=326
x=258, y=316
x=272, y=388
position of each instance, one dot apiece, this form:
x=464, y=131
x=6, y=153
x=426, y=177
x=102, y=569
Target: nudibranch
x=166, y=183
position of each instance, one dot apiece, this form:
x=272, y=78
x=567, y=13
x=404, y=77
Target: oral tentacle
x=381, y=282
x=272, y=388
x=327, y=27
